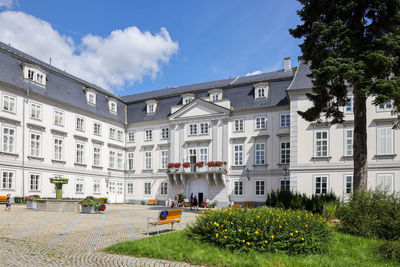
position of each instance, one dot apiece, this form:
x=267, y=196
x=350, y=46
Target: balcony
x=213, y=175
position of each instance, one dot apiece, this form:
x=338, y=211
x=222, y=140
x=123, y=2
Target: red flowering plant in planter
x=218, y=163
x=204, y=204
x=177, y=165
x=226, y=171
x=171, y=165
x=211, y=164
x=186, y=165
x=200, y=164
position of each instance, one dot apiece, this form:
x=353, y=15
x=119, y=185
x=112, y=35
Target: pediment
x=199, y=108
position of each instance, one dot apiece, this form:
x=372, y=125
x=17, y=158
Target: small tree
x=352, y=45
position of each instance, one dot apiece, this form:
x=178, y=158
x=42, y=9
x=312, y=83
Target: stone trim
x=80, y=137
x=389, y=156
x=115, y=146
x=58, y=132
x=58, y=161
x=38, y=158
x=35, y=126
x=321, y=158
x=80, y=164
x=11, y=121
x=9, y=154
x=98, y=142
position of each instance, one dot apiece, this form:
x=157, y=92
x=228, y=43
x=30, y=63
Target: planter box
x=90, y=210
x=31, y=205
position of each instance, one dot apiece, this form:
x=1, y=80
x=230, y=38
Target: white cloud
x=122, y=58
x=254, y=73
x=8, y=4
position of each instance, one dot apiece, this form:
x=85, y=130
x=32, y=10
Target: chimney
x=287, y=63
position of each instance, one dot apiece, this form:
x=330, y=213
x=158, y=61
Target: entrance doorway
x=115, y=192
x=199, y=188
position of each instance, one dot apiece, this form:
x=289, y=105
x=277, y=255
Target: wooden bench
x=3, y=199
x=152, y=201
x=174, y=216
x=236, y=207
x=249, y=204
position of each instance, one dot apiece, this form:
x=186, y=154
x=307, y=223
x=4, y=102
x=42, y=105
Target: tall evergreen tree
x=352, y=45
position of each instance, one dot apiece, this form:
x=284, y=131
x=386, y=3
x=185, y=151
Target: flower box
x=31, y=205
x=90, y=210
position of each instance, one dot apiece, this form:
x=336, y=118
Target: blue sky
x=209, y=40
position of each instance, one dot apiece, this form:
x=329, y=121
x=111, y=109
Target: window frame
x=13, y=180
x=322, y=139
x=94, y=157
x=164, y=133
x=88, y=95
x=285, y=180
x=78, y=143
x=111, y=104
x=240, y=152
x=130, y=160
x=164, y=159
x=392, y=176
x=128, y=192
x=201, y=128
x=82, y=185
x=260, y=117
x=62, y=148
x=262, y=156
x=190, y=128
x=148, y=137
x=95, y=132
x=242, y=125
x=261, y=189
x=112, y=160
x=55, y=111
x=346, y=139
x=284, y=151
x=378, y=144
x=286, y=121
x=321, y=188
x=164, y=188
x=40, y=110
x=238, y=192
x=38, y=149
x=98, y=182
x=14, y=140
x=83, y=123
x=131, y=140
x=38, y=183
x=349, y=103
x=145, y=192
x=147, y=157
x=385, y=108
x=14, y=111
x=345, y=183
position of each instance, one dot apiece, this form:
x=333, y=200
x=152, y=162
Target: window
x=36, y=111
x=321, y=185
x=350, y=103
x=285, y=152
x=384, y=182
x=238, y=155
x=58, y=148
x=96, y=128
x=35, y=145
x=131, y=156
x=321, y=144
x=79, y=185
x=164, y=133
x=148, y=135
x=285, y=184
x=260, y=188
x=204, y=128
x=164, y=188
x=203, y=155
x=215, y=97
x=261, y=122
x=96, y=155
x=34, y=75
x=8, y=140
x=120, y=161
x=96, y=186
x=91, y=98
x=131, y=137
x=58, y=117
x=259, y=154
x=260, y=93
x=150, y=108
x=192, y=129
x=9, y=103
x=164, y=159
x=130, y=188
x=120, y=135
x=111, y=159
x=385, y=140
x=34, y=182
x=239, y=125
x=147, y=160
x=348, y=142
x=8, y=180
x=80, y=123
x=111, y=134
x=80, y=149
x=285, y=120
x=187, y=100
x=348, y=184
x=112, y=105
x=238, y=188
x=31, y=74
x=147, y=188
x=386, y=106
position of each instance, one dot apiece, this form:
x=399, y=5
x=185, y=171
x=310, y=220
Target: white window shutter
x=389, y=141
x=381, y=140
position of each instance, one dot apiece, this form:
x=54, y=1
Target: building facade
x=229, y=141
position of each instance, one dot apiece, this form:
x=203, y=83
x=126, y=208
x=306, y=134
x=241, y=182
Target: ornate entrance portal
x=199, y=188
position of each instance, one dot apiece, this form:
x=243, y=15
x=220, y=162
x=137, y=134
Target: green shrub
x=19, y=200
x=90, y=201
x=290, y=200
x=329, y=211
x=371, y=214
x=264, y=229
x=390, y=250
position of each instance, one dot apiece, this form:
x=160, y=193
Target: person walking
x=195, y=203
x=191, y=201
x=8, y=202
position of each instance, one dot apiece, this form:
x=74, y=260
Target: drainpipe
x=23, y=141
x=125, y=154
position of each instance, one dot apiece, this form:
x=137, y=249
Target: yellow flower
x=248, y=243
x=244, y=240
x=240, y=230
x=291, y=234
x=225, y=237
x=272, y=236
x=306, y=225
x=296, y=231
x=280, y=226
x=202, y=211
x=216, y=235
x=256, y=232
x=248, y=233
x=266, y=241
x=258, y=217
x=298, y=217
x=302, y=244
x=302, y=239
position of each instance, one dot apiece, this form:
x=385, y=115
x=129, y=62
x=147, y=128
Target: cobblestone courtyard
x=34, y=238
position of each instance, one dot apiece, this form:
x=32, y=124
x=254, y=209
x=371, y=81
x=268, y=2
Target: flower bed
x=92, y=205
x=264, y=229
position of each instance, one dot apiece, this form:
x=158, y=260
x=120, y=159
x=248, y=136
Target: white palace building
x=231, y=140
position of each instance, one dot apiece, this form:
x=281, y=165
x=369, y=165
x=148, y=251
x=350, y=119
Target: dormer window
x=91, y=98
x=112, y=105
x=187, y=98
x=151, y=106
x=261, y=90
x=215, y=95
x=34, y=75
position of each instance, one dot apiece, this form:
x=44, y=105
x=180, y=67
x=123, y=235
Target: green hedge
x=371, y=214
x=390, y=250
x=19, y=200
x=288, y=200
x=264, y=229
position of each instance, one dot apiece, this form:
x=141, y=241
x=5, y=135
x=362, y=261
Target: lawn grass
x=346, y=250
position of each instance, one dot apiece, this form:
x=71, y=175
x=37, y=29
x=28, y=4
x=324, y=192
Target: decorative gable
x=261, y=90
x=199, y=108
x=34, y=74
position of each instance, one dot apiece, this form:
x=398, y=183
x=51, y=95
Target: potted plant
x=171, y=166
x=218, y=164
x=186, y=166
x=200, y=164
x=91, y=205
x=211, y=165
x=177, y=165
x=31, y=202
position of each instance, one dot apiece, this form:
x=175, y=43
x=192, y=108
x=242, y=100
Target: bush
x=143, y=202
x=92, y=202
x=19, y=200
x=289, y=200
x=264, y=229
x=390, y=250
x=371, y=214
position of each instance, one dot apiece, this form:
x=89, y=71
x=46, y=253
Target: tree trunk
x=360, y=156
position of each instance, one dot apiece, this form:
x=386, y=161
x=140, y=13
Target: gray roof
x=60, y=86
x=301, y=79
